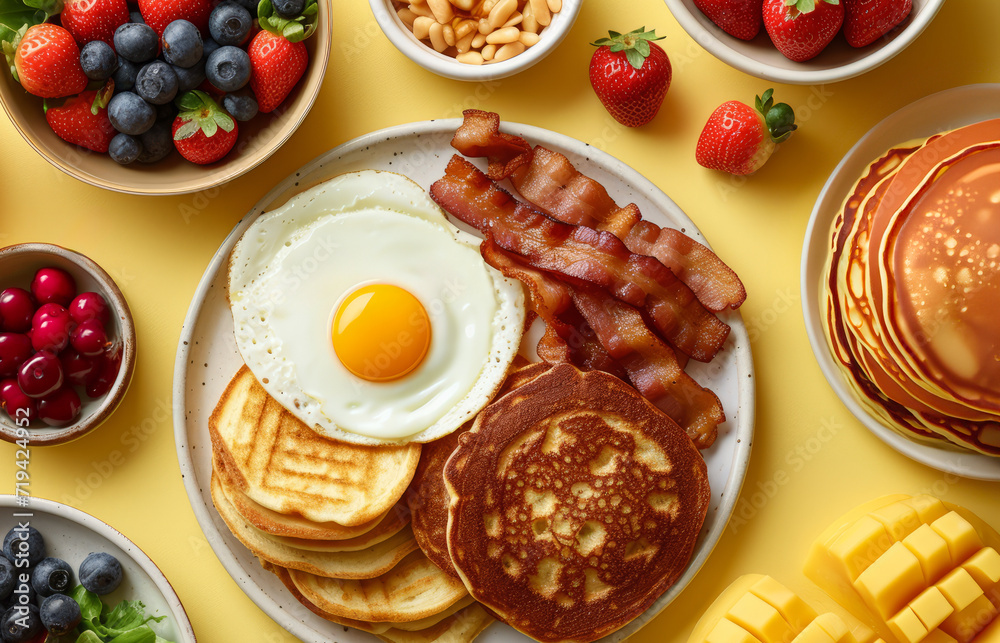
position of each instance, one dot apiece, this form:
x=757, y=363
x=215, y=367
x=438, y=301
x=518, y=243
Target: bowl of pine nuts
x=475, y=40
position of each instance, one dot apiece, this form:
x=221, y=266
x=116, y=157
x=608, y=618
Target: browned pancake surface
x=575, y=504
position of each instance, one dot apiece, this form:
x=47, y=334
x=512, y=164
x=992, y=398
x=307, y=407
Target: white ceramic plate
x=935, y=113
x=71, y=534
x=207, y=358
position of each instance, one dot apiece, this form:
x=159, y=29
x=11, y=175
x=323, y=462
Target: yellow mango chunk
x=931, y=549
x=835, y=627
x=860, y=545
x=760, y=619
x=927, y=507
x=984, y=567
x=725, y=631
x=966, y=624
x=813, y=633
x=937, y=636
x=960, y=588
x=962, y=539
x=931, y=607
x=907, y=627
x=891, y=581
x=899, y=518
x=795, y=611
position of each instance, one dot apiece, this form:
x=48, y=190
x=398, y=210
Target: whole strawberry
x=160, y=13
x=91, y=20
x=203, y=132
x=739, y=18
x=800, y=29
x=275, y=66
x=739, y=139
x=865, y=21
x=47, y=62
x=83, y=120
x=630, y=74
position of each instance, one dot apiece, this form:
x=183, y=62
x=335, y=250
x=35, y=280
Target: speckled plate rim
x=938, y=112
x=736, y=434
x=120, y=540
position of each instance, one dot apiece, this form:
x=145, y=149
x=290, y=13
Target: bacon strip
x=480, y=134
x=581, y=255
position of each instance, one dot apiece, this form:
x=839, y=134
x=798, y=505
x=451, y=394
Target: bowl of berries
x=804, y=41
x=67, y=344
x=173, y=97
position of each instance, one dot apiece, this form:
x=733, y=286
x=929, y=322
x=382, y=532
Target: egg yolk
x=381, y=332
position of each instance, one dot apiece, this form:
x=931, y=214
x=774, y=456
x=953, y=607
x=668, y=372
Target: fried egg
x=366, y=314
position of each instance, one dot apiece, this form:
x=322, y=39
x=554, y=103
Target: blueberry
x=190, y=77
x=229, y=23
x=60, y=614
x=130, y=114
x=288, y=8
x=135, y=16
x=24, y=543
x=7, y=575
x=156, y=83
x=52, y=576
x=125, y=75
x=136, y=41
x=20, y=624
x=124, y=149
x=100, y=573
x=98, y=60
x=157, y=143
x=182, y=45
x=242, y=107
x=228, y=68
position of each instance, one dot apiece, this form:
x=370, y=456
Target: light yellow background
x=823, y=460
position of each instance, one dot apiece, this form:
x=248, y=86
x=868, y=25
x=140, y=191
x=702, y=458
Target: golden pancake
x=412, y=590
x=281, y=464
x=366, y=563
x=462, y=627
x=575, y=503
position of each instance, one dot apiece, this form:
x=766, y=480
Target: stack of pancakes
x=330, y=520
x=913, y=288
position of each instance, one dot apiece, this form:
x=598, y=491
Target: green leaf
x=186, y=130
x=89, y=637
x=224, y=121
x=89, y=602
x=642, y=46
x=635, y=58
x=188, y=101
x=293, y=32
x=141, y=634
x=209, y=127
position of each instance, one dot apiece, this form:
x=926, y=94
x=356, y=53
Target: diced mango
x=931, y=607
x=891, y=581
x=966, y=624
x=907, y=627
x=813, y=633
x=962, y=539
x=984, y=567
x=899, y=518
x=931, y=549
x=928, y=508
x=760, y=619
x=960, y=588
x=937, y=636
x=726, y=631
x=860, y=545
x=835, y=627
x=792, y=608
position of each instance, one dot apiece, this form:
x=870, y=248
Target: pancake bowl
x=258, y=139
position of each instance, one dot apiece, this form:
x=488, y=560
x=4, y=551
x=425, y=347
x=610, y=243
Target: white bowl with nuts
x=476, y=39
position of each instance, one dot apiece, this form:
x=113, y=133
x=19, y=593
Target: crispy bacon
x=581, y=255
x=550, y=181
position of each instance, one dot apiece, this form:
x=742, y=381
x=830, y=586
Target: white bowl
x=425, y=56
x=839, y=61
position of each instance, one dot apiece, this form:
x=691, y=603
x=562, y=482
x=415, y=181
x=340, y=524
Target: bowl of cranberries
x=67, y=344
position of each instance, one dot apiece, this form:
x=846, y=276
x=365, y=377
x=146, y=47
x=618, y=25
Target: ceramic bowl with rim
x=257, y=140
x=442, y=65
x=18, y=264
x=839, y=61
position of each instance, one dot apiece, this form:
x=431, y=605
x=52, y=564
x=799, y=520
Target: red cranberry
x=61, y=408
x=15, y=348
x=21, y=408
x=41, y=375
x=16, y=309
x=52, y=333
x=106, y=374
x=89, y=338
x=53, y=285
x=90, y=305
x=78, y=369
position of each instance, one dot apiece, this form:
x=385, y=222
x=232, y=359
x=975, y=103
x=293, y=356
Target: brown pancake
x=575, y=503
x=428, y=498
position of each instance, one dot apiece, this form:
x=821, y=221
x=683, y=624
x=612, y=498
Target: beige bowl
x=839, y=61
x=258, y=139
x=18, y=265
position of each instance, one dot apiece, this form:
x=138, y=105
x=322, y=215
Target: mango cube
x=984, y=567
x=813, y=633
x=931, y=607
x=726, y=631
x=966, y=624
x=960, y=588
x=932, y=552
x=899, y=518
x=891, y=581
x=795, y=611
x=860, y=545
x=937, y=636
x=835, y=627
x=927, y=507
x=760, y=619
x=907, y=627
x=962, y=539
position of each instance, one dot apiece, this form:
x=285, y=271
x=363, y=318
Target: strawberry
x=160, y=13
x=276, y=65
x=47, y=62
x=800, y=29
x=739, y=18
x=83, y=120
x=203, y=132
x=865, y=21
x=739, y=139
x=91, y=20
x=630, y=74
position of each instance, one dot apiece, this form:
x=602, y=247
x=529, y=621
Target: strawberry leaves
x=201, y=114
x=635, y=44
x=779, y=118
x=294, y=29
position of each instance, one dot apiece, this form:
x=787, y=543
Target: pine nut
x=503, y=36
x=464, y=44
x=484, y=26
x=555, y=6
x=422, y=27
x=465, y=27
x=479, y=40
x=508, y=51
x=464, y=5
x=489, y=51
x=442, y=10
x=421, y=9
x=528, y=39
x=449, y=35
x=501, y=11
x=529, y=23
x=470, y=58
x=437, y=37
x=515, y=19
x=540, y=9
x=406, y=16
